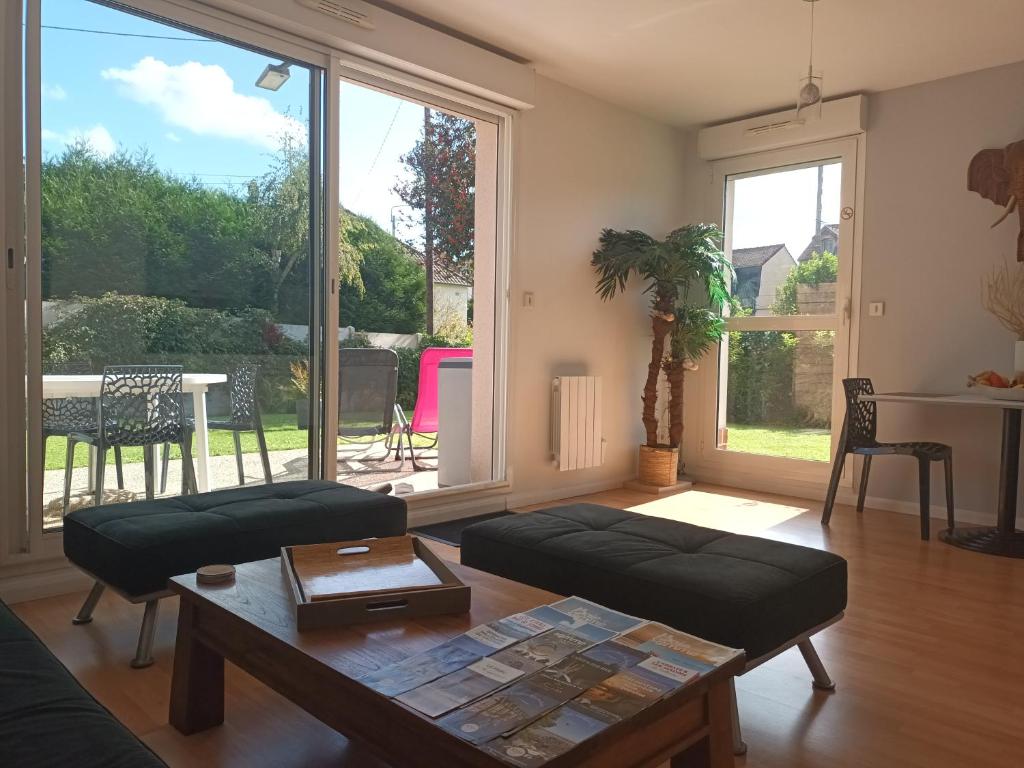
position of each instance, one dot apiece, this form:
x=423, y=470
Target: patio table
x=88, y=385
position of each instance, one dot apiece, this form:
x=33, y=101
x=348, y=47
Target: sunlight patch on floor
x=722, y=512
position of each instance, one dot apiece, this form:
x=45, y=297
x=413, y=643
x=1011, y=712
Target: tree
x=818, y=268
x=688, y=256
x=389, y=296
x=441, y=184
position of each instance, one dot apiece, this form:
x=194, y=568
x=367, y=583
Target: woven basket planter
x=658, y=466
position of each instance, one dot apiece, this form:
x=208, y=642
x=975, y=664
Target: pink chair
x=424, y=415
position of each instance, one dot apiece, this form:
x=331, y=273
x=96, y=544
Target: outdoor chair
x=860, y=427
x=61, y=416
x=140, y=406
x=424, y=414
x=367, y=388
x=244, y=417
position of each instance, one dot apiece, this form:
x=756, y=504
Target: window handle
x=847, y=310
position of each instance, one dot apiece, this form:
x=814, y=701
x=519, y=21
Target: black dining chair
x=244, y=417
x=140, y=406
x=859, y=436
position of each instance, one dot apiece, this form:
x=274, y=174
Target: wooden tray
x=452, y=596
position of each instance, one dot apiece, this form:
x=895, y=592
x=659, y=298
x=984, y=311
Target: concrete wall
x=582, y=165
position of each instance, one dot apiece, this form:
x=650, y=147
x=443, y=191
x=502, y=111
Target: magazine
x=446, y=658
x=542, y=650
x=615, y=655
x=458, y=688
x=624, y=694
x=578, y=672
x=550, y=736
x=584, y=618
x=508, y=709
x=680, y=647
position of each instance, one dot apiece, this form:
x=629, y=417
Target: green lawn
x=279, y=428
x=788, y=442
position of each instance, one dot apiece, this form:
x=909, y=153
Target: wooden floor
x=929, y=660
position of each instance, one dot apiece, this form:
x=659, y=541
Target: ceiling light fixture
x=810, y=95
x=273, y=76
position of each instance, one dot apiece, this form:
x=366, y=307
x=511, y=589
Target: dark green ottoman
x=48, y=719
x=136, y=547
x=744, y=592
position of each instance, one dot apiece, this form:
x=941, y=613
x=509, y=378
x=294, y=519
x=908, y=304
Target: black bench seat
x=741, y=591
x=137, y=546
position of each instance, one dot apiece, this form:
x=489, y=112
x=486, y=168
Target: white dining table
x=58, y=386
x=1003, y=538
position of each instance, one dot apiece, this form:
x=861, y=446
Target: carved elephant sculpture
x=998, y=175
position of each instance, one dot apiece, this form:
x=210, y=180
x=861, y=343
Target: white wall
x=582, y=165
x=927, y=246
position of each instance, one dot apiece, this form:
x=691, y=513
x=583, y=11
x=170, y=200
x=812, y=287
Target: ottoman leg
x=821, y=679
x=738, y=745
x=85, y=612
x=144, y=653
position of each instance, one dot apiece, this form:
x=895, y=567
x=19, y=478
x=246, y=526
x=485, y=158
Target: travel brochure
x=529, y=687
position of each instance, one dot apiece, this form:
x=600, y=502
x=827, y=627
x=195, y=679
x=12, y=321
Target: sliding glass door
x=174, y=261
x=418, y=300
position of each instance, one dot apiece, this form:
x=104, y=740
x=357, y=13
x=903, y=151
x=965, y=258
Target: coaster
x=215, y=574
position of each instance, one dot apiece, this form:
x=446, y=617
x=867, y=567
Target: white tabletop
x=928, y=398
x=89, y=384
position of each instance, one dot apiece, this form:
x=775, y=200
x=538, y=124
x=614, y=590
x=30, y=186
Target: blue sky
x=194, y=106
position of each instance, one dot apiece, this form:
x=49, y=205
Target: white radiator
x=576, y=437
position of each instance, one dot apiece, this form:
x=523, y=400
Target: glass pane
x=785, y=241
x=779, y=394
x=418, y=195
x=175, y=232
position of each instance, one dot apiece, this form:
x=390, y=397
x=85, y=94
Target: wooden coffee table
x=250, y=623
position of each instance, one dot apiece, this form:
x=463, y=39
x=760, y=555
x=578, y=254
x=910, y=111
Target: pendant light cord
x=810, y=61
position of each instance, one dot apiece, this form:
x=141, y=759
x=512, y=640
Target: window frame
x=770, y=472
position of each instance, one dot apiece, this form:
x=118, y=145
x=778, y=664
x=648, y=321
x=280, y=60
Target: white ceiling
x=698, y=61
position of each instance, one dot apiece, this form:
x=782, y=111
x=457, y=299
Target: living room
x=484, y=340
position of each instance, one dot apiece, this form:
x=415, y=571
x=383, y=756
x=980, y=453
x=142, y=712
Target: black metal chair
x=367, y=390
x=141, y=406
x=860, y=428
x=63, y=415
x=245, y=417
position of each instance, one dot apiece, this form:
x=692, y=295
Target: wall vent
x=339, y=10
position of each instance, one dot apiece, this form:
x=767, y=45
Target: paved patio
x=358, y=465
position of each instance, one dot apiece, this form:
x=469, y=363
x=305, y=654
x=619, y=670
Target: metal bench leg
x=821, y=679
x=738, y=745
x=144, y=653
x=85, y=612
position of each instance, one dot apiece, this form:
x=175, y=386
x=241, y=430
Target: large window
x=417, y=291
x=237, y=258
x=172, y=258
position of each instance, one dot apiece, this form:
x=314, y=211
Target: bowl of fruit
x=996, y=386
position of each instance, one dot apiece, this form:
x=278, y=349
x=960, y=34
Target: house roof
x=442, y=274
x=755, y=257
x=827, y=230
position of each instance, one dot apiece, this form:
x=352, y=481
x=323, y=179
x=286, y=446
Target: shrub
x=137, y=330
x=761, y=377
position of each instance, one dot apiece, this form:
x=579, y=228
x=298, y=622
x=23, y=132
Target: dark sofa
x=48, y=720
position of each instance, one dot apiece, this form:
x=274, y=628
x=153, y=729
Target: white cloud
x=201, y=98
x=98, y=138
x=172, y=136
x=54, y=92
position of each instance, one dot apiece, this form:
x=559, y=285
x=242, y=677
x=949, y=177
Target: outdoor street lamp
x=273, y=76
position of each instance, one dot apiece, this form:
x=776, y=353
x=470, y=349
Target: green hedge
x=761, y=378
x=137, y=330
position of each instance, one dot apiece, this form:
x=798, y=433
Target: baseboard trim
x=540, y=496
x=60, y=578
x=815, y=492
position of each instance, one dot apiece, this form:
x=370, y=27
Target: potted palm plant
x=686, y=277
